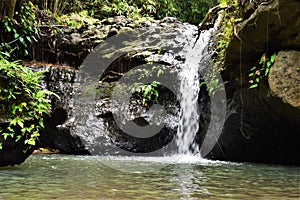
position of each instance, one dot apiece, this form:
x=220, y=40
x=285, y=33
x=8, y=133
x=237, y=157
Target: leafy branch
x=257, y=73
x=22, y=102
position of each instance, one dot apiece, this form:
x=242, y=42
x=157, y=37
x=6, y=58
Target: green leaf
x=30, y=141
x=273, y=57
x=41, y=122
x=22, y=40
x=5, y=136
x=18, y=138
x=34, y=38
x=16, y=35
x=251, y=74
x=35, y=134
x=13, y=121
x=253, y=86
x=160, y=72
x=14, y=109
x=28, y=38
x=267, y=71
x=262, y=59
x=10, y=129
x=202, y=83
x=20, y=122
x=8, y=28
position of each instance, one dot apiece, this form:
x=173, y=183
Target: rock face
x=80, y=134
x=70, y=45
x=263, y=124
x=60, y=79
x=13, y=153
x=272, y=27
x=284, y=77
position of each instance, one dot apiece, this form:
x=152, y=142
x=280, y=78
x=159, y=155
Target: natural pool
x=91, y=177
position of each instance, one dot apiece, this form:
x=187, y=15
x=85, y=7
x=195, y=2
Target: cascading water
x=188, y=93
x=189, y=114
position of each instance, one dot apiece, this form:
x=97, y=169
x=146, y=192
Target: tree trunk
x=11, y=8
x=7, y=8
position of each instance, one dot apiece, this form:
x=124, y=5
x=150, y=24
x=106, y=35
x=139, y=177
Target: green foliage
x=159, y=70
x=257, y=73
x=212, y=82
x=148, y=93
x=192, y=11
x=19, y=33
x=231, y=16
x=187, y=11
x=75, y=20
x=22, y=102
x=59, y=7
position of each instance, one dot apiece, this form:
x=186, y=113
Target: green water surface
x=90, y=177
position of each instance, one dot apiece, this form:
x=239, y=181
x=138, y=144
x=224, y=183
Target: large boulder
x=96, y=129
x=59, y=79
x=70, y=45
x=284, y=77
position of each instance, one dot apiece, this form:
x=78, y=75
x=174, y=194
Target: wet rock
x=57, y=133
x=69, y=133
x=70, y=45
x=112, y=32
x=13, y=153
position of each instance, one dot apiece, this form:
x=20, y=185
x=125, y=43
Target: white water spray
x=188, y=94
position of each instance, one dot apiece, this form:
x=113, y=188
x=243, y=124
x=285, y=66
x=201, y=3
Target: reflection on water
x=79, y=177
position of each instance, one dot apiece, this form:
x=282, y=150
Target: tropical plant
x=191, y=11
x=230, y=11
x=22, y=102
x=148, y=93
x=19, y=33
x=257, y=73
x=231, y=16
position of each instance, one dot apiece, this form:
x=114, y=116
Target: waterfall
x=102, y=127
x=197, y=58
x=189, y=114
